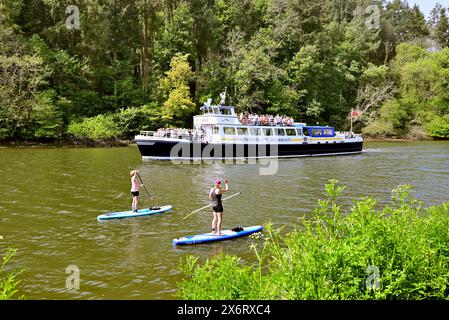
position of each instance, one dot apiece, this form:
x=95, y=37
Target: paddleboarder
x=134, y=189
x=215, y=195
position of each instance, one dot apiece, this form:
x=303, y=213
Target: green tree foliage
x=408, y=23
x=442, y=29
x=133, y=120
x=439, y=127
x=398, y=252
x=423, y=96
x=175, y=89
x=99, y=128
x=20, y=81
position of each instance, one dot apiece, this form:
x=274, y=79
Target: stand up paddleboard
x=130, y=214
x=210, y=237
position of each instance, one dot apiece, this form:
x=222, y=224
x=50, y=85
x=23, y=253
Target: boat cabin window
x=242, y=131
x=229, y=130
x=255, y=132
x=306, y=131
x=216, y=130
x=226, y=112
x=329, y=132
x=279, y=131
x=290, y=132
x=215, y=110
x=317, y=132
x=267, y=132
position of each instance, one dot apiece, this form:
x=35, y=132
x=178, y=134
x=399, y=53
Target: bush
x=392, y=122
x=399, y=252
x=99, y=128
x=48, y=122
x=133, y=120
x=439, y=128
x=8, y=282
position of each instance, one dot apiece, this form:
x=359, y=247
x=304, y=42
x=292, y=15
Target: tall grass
x=8, y=281
x=398, y=252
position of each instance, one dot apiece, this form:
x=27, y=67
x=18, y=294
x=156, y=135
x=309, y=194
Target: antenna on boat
x=223, y=97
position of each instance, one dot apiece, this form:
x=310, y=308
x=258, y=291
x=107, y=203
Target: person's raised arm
x=226, y=189
x=135, y=176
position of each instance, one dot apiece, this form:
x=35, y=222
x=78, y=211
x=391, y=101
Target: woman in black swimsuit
x=217, y=207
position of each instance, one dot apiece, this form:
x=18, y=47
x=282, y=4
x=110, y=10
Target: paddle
x=209, y=205
x=144, y=186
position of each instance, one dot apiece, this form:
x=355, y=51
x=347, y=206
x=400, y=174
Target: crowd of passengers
x=253, y=119
x=191, y=134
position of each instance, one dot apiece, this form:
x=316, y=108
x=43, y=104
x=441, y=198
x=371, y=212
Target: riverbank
x=66, y=144
x=398, y=139
x=130, y=142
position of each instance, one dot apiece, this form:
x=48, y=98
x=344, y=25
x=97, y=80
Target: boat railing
x=170, y=135
x=349, y=135
x=147, y=133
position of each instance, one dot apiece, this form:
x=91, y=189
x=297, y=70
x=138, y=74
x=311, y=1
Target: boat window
x=216, y=110
x=226, y=112
x=255, y=132
x=317, y=132
x=280, y=131
x=329, y=132
x=242, y=131
x=306, y=131
x=267, y=132
x=291, y=132
x=229, y=130
x=216, y=130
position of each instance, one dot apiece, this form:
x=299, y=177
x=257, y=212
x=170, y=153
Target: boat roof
x=319, y=127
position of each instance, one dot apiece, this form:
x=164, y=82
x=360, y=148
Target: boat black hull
x=167, y=150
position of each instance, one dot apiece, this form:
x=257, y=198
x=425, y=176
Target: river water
x=50, y=197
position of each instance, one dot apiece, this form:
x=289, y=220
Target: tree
x=376, y=88
x=435, y=16
x=442, y=29
x=175, y=89
x=419, y=27
x=177, y=36
x=21, y=78
x=408, y=23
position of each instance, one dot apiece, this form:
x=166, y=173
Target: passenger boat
x=220, y=134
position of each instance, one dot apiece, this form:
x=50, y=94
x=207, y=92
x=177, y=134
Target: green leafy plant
x=8, y=281
x=99, y=128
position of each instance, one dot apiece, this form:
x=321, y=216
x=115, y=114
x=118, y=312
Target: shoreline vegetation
x=8, y=280
x=130, y=67
x=112, y=143
x=399, y=252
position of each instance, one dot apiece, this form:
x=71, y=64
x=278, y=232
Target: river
x=50, y=197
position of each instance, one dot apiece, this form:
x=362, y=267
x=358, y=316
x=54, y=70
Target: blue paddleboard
x=130, y=214
x=210, y=237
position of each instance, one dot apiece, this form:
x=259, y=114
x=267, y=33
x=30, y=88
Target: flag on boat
x=356, y=114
